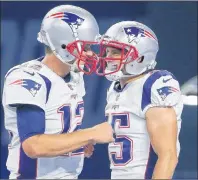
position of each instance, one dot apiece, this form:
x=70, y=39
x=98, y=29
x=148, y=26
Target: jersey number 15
x=120, y=121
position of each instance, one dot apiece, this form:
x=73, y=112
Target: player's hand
x=88, y=150
x=103, y=133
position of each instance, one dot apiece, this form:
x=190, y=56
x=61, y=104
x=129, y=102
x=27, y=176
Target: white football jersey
x=34, y=83
x=131, y=155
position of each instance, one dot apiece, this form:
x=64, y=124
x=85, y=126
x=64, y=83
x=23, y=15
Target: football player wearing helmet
x=144, y=105
x=43, y=100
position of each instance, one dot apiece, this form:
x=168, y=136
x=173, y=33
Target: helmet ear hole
x=141, y=59
x=63, y=46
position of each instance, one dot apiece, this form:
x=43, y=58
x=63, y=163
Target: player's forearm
x=58, y=144
x=165, y=167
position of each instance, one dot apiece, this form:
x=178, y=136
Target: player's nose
x=89, y=53
x=109, y=55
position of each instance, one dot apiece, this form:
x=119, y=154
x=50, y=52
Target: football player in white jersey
x=43, y=100
x=144, y=105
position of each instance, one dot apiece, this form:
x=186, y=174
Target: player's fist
x=88, y=150
x=103, y=133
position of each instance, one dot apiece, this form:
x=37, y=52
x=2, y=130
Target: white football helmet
x=68, y=30
x=138, y=45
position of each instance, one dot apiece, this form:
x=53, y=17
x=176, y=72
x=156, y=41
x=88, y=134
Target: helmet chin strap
x=120, y=74
x=115, y=76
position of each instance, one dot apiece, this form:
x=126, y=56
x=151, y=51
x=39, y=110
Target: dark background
x=175, y=24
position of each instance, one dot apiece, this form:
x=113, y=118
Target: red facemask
x=126, y=51
x=84, y=55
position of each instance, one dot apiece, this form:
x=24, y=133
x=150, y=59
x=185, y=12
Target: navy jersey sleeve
x=161, y=89
x=30, y=121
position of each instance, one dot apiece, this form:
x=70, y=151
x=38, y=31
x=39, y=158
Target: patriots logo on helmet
x=71, y=19
x=32, y=86
x=134, y=33
x=165, y=91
